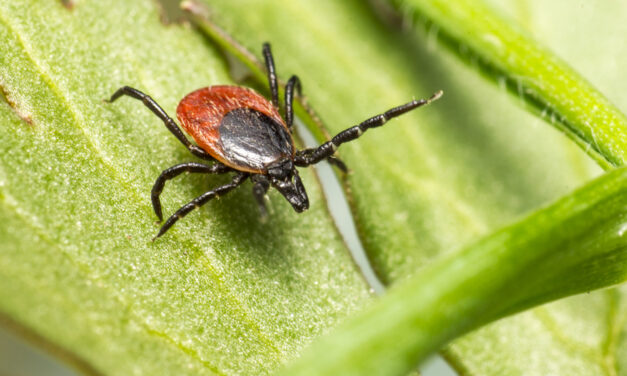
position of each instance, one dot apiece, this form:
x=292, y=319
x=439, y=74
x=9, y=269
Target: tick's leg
x=337, y=162
x=274, y=87
x=306, y=154
x=169, y=123
x=200, y=201
x=289, y=99
x=307, y=157
x=260, y=188
x=175, y=171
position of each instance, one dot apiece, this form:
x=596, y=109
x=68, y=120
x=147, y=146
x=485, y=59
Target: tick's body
x=242, y=132
x=237, y=127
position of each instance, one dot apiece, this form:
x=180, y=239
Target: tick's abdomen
x=236, y=126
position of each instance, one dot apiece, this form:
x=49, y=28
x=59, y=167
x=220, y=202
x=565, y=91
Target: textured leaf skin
x=221, y=293
x=463, y=183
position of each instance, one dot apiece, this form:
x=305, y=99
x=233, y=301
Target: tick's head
x=282, y=169
x=284, y=177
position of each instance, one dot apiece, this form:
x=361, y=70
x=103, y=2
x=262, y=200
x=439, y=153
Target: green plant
x=223, y=293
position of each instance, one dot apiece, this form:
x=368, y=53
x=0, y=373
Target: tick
x=243, y=133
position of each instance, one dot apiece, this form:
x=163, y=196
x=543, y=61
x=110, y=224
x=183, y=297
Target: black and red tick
x=240, y=131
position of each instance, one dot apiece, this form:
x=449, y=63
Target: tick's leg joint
x=337, y=162
x=168, y=121
x=175, y=171
x=311, y=156
x=201, y=200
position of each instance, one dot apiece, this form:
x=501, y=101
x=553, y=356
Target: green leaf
x=425, y=184
x=427, y=181
x=582, y=335
x=479, y=163
x=545, y=83
x=221, y=292
x=573, y=246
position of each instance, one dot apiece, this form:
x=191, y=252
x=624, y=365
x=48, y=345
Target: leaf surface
x=221, y=292
x=438, y=181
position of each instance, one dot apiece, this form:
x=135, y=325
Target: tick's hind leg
x=169, y=123
x=200, y=201
x=310, y=156
x=175, y=171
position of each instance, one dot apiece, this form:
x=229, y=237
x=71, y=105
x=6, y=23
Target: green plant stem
x=573, y=246
x=547, y=85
